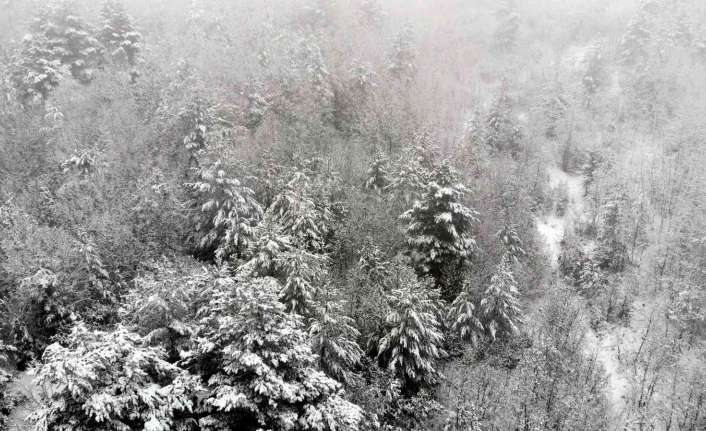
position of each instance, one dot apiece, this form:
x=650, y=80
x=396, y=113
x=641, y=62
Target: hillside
x=352, y=215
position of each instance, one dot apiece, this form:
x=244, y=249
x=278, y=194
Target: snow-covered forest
x=353, y=215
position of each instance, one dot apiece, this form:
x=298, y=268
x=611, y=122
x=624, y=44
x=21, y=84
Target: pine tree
x=505, y=36
x=224, y=214
x=611, y=252
x=57, y=39
x=500, y=306
x=511, y=242
x=267, y=252
x=413, y=339
x=371, y=13
x=501, y=132
x=259, y=367
x=112, y=381
x=372, y=262
x=256, y=110
x=333, y=339
x=439, y=230
x=635, y=41
x=302, y=274
x=118, y=34
x=35, y=71
x=299, y=216
x=403, y=55
x=462, y=317
x=377, y=175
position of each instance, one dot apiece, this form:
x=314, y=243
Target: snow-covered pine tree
x=501, y=132
x=118, y=35
x=611, y=252
x=372, y=262
x=500, y=306
x=413, y=339
x=266, y=254
x=439, y=230
x=634, y=45
x=402, y=56
x=259, y=367
x=58, y=38
x=505, y=37
x=378, y=175
x=462, y=318
x=371, y=13
x=413, y=170
x=112, y=381
x=224, y=214
x=256, y=110
x=299, y=216
x=302, y=274
x=69, y=39
x=511, y=241
x=35, y=70
x=594, y=72
x=333, y=338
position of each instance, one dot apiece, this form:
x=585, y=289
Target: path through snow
x=552, y=228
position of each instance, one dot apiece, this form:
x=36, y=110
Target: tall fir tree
x=462, y=317
x=224, y=214
x=333, y=339
x=413, y=340
x=58, y=39
x=118, y=34
x=402, y=56
x=505, y=36
x=500, y=306
x=259, y=367
x=439, y=230
x=296, y=211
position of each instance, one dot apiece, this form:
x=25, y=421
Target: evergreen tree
x=594, y=73
x=256, y=110
x=118, y=35
x=371, y=13
x=259, y=367
x=462, y=317
x=634, y=46
x=403, y=55
x=333, y=339
x=611, y=252
x=224, y=214
x=377, y=175
x=112, y=381
x=413, y=339
x=267, y=252
x=372, y=262
x=303, y=273
x=35, y=72
x=511, y=242
x=500, y=306
x=505, y=36
x=439, y=230
x=501, y=132
x=58, y=38
x=299, y=216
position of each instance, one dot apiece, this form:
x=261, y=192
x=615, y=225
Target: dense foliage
x=352, y=215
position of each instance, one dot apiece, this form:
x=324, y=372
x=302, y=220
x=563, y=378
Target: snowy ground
x=552, y=228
